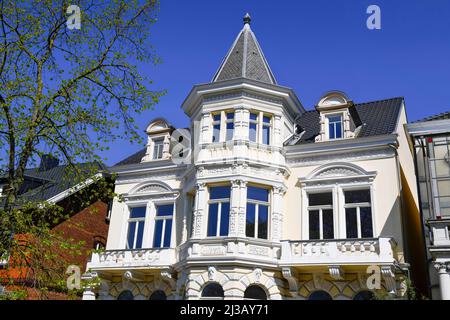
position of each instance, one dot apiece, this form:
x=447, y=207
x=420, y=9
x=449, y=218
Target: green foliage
x=67, y=93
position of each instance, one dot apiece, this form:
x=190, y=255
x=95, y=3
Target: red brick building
x=86, y=223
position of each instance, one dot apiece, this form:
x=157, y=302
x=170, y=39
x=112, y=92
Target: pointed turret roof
x=245, y=59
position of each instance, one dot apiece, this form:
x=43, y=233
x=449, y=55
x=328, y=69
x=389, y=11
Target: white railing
x=342, y=252
x=117, y=259
x=244, y=249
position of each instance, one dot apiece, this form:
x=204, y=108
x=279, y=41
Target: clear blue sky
x=311, y=46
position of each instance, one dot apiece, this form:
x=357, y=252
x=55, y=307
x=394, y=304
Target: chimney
x=48, y=162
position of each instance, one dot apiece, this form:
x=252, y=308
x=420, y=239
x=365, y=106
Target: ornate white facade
x=253, y=210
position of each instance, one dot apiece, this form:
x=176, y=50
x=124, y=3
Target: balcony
x=379, y=251
x=144, y=259
x=222, y=250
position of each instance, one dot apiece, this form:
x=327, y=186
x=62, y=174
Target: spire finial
x=247, y=19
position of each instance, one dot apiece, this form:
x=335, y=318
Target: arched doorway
x=213, y=291
x=320, y=295
x=364, y=295
x=158, y=295
x=255, y=292
x=125, y=295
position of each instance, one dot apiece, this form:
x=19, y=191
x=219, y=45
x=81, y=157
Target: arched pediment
x=333, y=99
x=338, y=170
x=158, y=125
x=151, y=187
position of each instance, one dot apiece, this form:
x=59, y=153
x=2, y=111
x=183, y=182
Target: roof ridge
x=381, y=100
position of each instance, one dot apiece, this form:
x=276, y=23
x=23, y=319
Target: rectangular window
x=230, y=125
x=216, y=127
x=439, y=168
x=163, y=226
x=158, y=145
x=257, y=216
x=358, y=214
x=335, y=127
x=260, y=123
x=136, y=224
x=320, y=212
x=253, y=127
x=266, y=130
x=218, y=211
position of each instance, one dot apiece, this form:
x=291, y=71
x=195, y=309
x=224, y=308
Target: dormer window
x=223, y=126
x=158, y=146
x=339, y=118
x=335, y=127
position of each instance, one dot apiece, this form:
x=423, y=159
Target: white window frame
x=219, y=211
x=222, y=124
x=327, y=125
x=164, y=218
x=320, y=208
x=257, y=203
x=159, y=146
x=137, y=220
x=260, y=124
x=354, y=187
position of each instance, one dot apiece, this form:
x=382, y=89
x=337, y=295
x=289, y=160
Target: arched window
x=125, y=295
x=158, y=295
x=319, y=295
x=213, y=290
x=255, y=292
x=364, y=295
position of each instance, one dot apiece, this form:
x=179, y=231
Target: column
x=234, y=207
x=205, y=125
x=199, y=210
x=277, y=129
x=443, y=268
x=166, y=147
x=242, y=209
x=277, y=213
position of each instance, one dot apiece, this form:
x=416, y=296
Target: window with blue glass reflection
x=216, y=128
x=136, y=224
x=218, y=211
x=266, y=130
x=253, y=127
x=257, y=216
x=335, y=127
x=163, y=226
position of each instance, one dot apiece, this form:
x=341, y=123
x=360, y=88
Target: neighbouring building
x=274, y=202
x=86, y=223
x=431, y=138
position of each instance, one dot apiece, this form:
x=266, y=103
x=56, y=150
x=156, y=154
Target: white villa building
x=262, y=199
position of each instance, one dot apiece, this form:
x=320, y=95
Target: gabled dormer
x=338, y=117
x=158, y=143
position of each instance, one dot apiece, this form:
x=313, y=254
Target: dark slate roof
x=440, y=116
x=377, y=118
x=245, y=59
x=133, y=159
x=43, y=185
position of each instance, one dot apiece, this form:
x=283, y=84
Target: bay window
x=253, y=127
x=218, y=211
x=320, y=214
x=257, y=216
x=136, y=224
x=222, y=126
x=260, y=128
x=358, y=214
x=163, y=226
x=216, y=127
